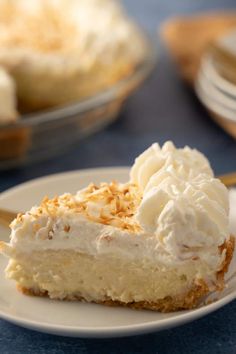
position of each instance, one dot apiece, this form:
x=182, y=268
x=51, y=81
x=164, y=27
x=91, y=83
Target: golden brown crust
x=229, y=247
x=168, y=304
x=14, y=142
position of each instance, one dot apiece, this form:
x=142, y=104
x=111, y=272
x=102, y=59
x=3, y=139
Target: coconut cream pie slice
x=160, y=241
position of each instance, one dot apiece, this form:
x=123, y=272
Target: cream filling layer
x=73, y=274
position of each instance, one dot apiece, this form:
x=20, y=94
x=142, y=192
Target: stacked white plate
x=215, y=86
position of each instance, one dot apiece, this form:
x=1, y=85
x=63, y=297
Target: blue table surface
x=162, y=109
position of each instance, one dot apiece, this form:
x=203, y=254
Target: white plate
x=211, y=102
x=75, y=318
x=215, y=94
x=212, y=75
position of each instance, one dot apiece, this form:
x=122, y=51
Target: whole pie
x=59, y=51
x=160, y=241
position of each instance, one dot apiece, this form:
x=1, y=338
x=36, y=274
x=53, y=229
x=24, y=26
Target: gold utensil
x=228, y=179
x=6, y=216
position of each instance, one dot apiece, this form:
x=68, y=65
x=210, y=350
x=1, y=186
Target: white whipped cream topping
x=8, y=111
x=183, y=204
x=183, y=214
x=186, y=162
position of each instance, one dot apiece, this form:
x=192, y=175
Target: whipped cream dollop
x=183, y=204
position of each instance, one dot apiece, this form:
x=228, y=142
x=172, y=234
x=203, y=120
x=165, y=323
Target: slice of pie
x=160, y=241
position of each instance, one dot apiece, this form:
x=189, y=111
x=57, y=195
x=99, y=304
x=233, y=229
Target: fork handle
x=6, y=217
x=228, y=179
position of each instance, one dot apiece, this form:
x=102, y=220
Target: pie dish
x=62, y=90
x=161, y=241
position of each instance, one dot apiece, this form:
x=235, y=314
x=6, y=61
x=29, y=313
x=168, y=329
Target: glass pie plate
x=44, y=134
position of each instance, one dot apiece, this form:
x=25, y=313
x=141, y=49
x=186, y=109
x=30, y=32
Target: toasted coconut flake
x=116, y=205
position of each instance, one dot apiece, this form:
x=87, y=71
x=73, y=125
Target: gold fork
x=6, y=216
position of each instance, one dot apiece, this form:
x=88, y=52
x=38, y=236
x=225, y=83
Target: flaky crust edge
x=168, y=304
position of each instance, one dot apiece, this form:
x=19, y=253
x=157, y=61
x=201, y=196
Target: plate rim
x=105, y=331
x=121, y=331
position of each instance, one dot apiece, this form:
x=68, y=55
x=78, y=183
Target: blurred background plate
x=224, y=116
x=212, y=91
x=44, y=134
x=217, y=94
x=212, y=75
